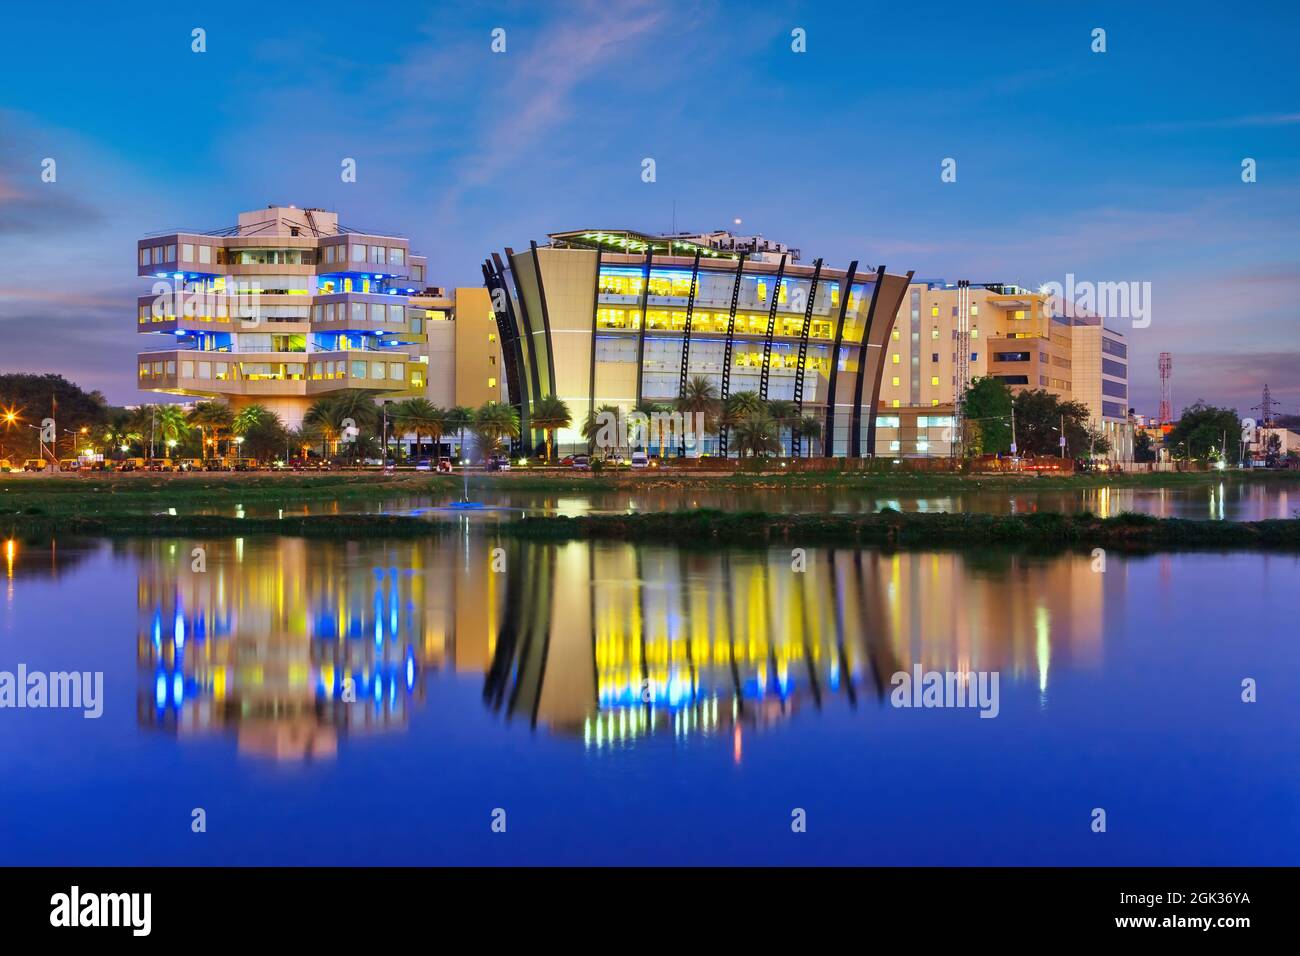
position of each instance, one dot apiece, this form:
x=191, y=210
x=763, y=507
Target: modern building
x=463, y=350
x=1027, y=339
x=623, y=318
x=283, y=308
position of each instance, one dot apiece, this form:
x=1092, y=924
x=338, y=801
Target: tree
x=460, y=418
x=33, y=398
x=1273, y=450
x=1039, y=416
x=756, y=433
x=334, y=415
x=248, y=418
x=810, y=427
x=987, y=406
x=741, y=405
x=1203, y=429
x=170, y=425
x=550, y=414
x=493, y=422
x=264, y=433
x=597, y=422
x=210, y=418
x=421, y=416
x=699, y=400
x=784, y=414
x=1142, y=447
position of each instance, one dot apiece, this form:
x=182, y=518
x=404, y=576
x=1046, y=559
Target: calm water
x=523, y=690
x=1245, y=501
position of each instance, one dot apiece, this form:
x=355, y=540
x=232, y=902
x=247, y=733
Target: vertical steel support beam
x=796, y=444
x=828, y=442
x=855, y=434
x=765, y=372
x=726, y=354
x=595, y=313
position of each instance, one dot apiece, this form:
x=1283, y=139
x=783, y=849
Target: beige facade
x=1023, y=338
x=463, y=353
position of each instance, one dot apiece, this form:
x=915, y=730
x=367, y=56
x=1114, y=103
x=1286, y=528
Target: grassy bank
x=92, y=494
x=704, y=528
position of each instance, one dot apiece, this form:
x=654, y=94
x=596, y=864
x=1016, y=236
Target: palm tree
x=351, y=407
x=305, y=436
x=699, y=399
x=494, y=421
x=210, y=417
x=741, y=405
x=757, y=434
x=784, y=414
x=170, y=423
x=810, y=427
x=460, y=418
x=249, y=417
x=421, y=416
x=654, y=411
x=550, y=414
x=595, y=424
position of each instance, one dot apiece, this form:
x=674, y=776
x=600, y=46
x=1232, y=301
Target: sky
x=1115, y=166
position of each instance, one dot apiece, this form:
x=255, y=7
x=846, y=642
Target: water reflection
x=291, y=646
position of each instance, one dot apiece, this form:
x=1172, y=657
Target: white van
x=640, y=459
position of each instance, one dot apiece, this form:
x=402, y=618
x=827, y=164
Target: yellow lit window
x=492, y=383
x=1019, y=313
x=934, y=401
x=782, y=295
x=934, y=333
x=895, y=358
x=974, y=333
x=835, y=295
x=934, y=311
x=492, y=336
x=934, y=379
x=895, y=380
x=974, y=309
x=895, y=335
x=762, y=292
x=895, y=403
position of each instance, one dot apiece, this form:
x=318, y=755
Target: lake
x=383, y=702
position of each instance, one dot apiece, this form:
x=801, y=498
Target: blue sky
x=1118, y=166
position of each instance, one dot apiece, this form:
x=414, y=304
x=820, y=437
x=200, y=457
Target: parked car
x=423, y=464
x=581, y=463
x=444, y=466
x=640, y=459
x=34, y=464
x=499, y=463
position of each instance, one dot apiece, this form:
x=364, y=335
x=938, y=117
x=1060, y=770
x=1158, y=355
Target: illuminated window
x=974, y=309
x=895, y=358
x=205, y=255
x=934, y=401
x=895, y=403
x=187, y=252
x=894, y=381
x=895, y=335
x=934, y=379
x=1019, y=314
x=762, y=292
x=934, y=333
x=934, y=311
x=492, y=383
x=492, y=336
x=974, y=333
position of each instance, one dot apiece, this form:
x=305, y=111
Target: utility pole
x=1064, y=447
x=1013, y=426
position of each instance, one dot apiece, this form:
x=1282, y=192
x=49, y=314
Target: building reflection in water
x=290, y=644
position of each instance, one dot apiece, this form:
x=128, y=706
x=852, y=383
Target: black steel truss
x=796, y=445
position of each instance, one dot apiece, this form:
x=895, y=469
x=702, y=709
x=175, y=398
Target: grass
x=706, y=528
x=102, y=494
